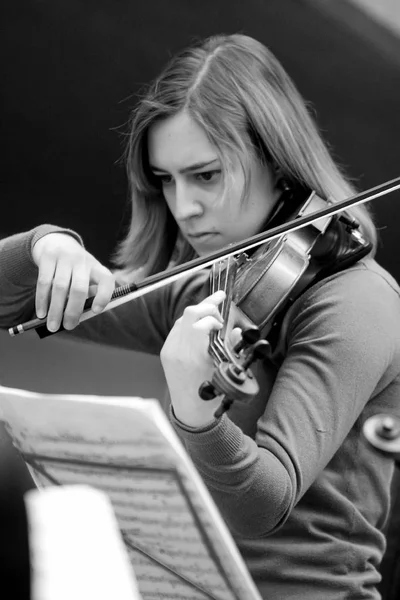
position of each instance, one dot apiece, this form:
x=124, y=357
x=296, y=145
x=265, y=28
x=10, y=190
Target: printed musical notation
x=178, y=544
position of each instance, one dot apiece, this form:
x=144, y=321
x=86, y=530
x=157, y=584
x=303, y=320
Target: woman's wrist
x=196, y=414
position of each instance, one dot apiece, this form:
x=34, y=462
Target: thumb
x=235, y=336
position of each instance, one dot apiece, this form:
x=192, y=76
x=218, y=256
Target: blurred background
x=70, y=71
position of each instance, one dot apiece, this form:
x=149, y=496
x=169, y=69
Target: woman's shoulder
x=372, y=271
x=352, y=315
x=366, y=280
x=362, y=296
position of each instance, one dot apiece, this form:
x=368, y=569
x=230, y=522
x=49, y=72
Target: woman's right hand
x=68, y=275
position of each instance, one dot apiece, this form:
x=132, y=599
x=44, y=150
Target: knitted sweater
x=304, y=495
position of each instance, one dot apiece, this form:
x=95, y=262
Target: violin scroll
x=235, y=380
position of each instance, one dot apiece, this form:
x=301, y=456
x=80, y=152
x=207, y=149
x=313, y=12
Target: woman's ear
x=280, y=181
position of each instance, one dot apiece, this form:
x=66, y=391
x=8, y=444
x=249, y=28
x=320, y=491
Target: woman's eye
x=208, y=176
x=164, y=179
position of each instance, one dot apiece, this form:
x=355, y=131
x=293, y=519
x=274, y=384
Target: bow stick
x=128, y=292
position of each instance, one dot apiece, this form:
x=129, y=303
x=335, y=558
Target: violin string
x=218, y=335
x=213, y=337
x=217, y=281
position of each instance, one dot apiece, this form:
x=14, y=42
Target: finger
x=47, y=268
x=215, y=298
x=235, y=336
x=59, y=293
x=192, y=314
x=105, y=288
x=207, y=325
x=78, y=293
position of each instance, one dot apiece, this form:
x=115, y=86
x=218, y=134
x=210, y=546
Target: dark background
x=70, y=70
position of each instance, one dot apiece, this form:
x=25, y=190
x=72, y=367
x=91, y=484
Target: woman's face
x=191, y=177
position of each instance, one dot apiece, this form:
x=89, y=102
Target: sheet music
x=177, y=542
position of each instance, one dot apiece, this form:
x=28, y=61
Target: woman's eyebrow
x=193, y=167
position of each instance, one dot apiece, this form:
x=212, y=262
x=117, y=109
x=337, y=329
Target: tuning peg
x=259, y=350
x=207, y=391
x=262, y=349
x=249, y=337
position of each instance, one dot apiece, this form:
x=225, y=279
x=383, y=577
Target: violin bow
x=128, y=292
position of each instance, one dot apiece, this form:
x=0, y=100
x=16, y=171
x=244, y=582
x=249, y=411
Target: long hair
x=238, y=92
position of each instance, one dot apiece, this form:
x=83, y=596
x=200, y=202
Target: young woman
x=220, y=143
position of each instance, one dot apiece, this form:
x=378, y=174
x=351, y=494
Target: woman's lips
x=202, y=236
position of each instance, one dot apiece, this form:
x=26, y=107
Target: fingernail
x=40, y=314
x=52, y=326
x=96, y=309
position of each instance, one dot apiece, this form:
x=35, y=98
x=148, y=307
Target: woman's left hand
x=187, y=363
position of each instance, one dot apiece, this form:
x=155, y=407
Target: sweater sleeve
x=141, y=325
x=343, y=348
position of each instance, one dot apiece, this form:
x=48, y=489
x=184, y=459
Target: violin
x=276, y=265
x=260, y=287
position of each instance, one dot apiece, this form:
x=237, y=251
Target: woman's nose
x=187, y=202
